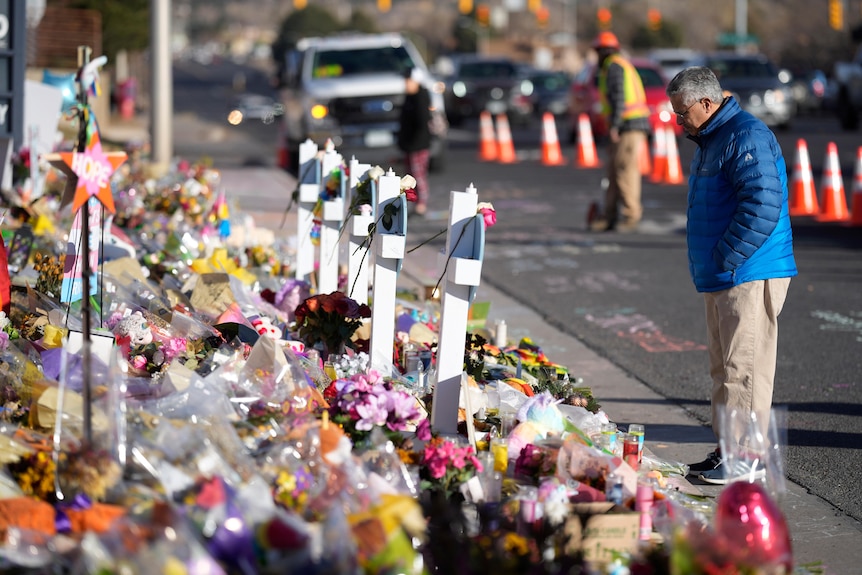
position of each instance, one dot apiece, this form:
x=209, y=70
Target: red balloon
x=754, y=525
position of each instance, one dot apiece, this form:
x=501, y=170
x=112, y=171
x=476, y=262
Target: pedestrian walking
x=740, y=252
x=625, y=107
x=414, y=134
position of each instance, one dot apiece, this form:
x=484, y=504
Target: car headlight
x=459, y=89
x=526, y=87
x=773, y=97
x=319, y=111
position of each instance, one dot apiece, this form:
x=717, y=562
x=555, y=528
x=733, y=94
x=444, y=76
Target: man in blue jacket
x=740, y=253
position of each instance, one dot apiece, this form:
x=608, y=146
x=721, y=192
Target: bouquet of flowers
x=366, y=401
x=329, y=320
x=445, y=466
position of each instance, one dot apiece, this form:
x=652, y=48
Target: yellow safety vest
x=633, y=89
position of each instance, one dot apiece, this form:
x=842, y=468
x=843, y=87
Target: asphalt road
x=629, y=297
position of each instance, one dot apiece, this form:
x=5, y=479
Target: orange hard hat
x=606, y=40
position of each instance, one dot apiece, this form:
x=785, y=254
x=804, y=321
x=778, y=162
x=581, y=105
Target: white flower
x=4, y=321
x=484, y=205
x=556, y=511
x=374, y=173
x=408, y=182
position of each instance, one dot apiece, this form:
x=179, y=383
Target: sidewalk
x=820, y=532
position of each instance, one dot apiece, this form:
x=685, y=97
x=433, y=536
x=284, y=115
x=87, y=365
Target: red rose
x=327, y=303
x=364, y=311
x=411, y=195
x=346, y=307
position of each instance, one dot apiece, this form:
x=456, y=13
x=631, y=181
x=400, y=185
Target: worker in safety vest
x=625, y=108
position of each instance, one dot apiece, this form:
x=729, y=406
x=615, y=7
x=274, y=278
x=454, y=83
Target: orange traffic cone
x=659, y=156
x=856, y=212
x=674, y=167
x=551, y=154
x=505, y=147
x=645, y=164
x=587, y=155
x=834, y=202
x=487, y=141
x=803, y=200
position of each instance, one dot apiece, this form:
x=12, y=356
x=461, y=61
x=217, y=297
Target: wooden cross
x=358, y=262
x=461, y=270
x=389, y=248
x=331, y=219
x=309, y=190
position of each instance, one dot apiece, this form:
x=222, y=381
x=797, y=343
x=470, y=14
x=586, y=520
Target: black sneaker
x=712, y=461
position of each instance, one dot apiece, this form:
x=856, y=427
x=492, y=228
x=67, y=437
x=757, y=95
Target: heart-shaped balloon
x=754, y=525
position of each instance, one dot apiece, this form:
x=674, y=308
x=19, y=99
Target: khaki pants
x=624, y=178
x=742, y=334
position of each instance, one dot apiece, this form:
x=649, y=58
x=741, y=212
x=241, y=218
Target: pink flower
x=423, y=430
x=488, y=213
x=139, y=362
x=173, y=347
x=411, y=195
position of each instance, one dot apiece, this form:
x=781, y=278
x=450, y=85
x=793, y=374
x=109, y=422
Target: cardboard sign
x=601, y=534
x=212, y=294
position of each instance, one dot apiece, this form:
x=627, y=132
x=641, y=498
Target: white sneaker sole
x=708, y=477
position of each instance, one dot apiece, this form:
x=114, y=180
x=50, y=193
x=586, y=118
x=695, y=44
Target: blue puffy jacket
x=738, y=219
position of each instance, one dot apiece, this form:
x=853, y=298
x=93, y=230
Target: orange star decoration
x=93, y=167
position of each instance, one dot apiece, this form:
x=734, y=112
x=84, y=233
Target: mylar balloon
x=754, y=525
x=66, y=84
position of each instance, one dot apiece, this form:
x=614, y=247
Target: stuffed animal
x=136, y=328
x=539, y=418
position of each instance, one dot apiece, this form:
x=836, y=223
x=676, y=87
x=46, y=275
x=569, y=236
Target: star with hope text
x=93, y=167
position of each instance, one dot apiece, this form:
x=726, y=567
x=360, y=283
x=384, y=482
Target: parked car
x=547, y=90
x=584, y=99
x=809, y=90
x=759, y=86
x=474, y=83
x=349, y=88
x=672, y=60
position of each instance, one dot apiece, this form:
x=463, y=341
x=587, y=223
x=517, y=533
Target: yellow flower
x=514, y=543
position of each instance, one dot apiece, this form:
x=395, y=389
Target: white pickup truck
x=350, y=89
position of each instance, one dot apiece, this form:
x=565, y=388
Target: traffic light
x=384, y=5
x=465, y=6
x=654, y=18
x=836, y=14
x=534, y=5
x=603, y=15
x=542, y=15
x=483, y=14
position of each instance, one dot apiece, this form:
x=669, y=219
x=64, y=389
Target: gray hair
x=695, y=83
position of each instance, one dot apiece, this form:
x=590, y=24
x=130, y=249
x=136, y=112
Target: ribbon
x=61, y=521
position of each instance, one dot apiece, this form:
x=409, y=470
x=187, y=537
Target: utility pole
x=741, y=24
x=161, y=85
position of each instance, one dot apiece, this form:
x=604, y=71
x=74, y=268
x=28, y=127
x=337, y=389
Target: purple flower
x=4, y=340
x=402, y=409
x=371, y=411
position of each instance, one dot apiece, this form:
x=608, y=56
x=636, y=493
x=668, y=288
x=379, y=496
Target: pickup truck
x=350, y=88
x=846, y=91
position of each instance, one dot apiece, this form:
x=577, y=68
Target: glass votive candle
x=609, y=430
x=507, y=422
x=500, y=451
x=630, y=450
x=637, y=430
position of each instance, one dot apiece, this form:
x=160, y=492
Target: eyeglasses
x=682, y=115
